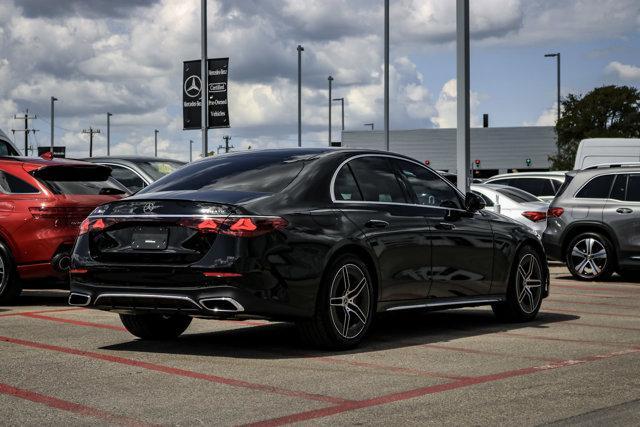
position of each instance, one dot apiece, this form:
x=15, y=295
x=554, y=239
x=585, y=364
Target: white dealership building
x=493, y=149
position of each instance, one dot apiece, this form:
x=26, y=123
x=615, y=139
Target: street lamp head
x=330, y=78
x=551, y=55
x=53, y=98
x=300, y=48
x=109, y=114
x=338, y=99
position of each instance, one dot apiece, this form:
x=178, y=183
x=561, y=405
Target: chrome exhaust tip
x=80, y=300
x=221, y=305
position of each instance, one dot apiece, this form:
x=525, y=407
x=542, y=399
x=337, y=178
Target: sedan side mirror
x=473, y=202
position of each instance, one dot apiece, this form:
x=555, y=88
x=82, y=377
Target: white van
x=601, y=151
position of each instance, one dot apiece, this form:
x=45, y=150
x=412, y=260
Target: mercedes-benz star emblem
x=149, y=207
x=192, y=86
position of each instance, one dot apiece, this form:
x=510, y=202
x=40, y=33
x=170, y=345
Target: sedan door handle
x=376, y=223
x=624, y=210
x=445, y=226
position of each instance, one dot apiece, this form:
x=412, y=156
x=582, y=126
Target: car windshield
x=258, y=172
x=158, y=169
x=517, y=195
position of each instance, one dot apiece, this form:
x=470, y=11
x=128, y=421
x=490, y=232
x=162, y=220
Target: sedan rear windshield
x=518, y=195
x=261, y=173
x=83, y=180
x=157, y=170
x=107, y=187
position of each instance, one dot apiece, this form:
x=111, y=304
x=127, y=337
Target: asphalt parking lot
x=579, y=363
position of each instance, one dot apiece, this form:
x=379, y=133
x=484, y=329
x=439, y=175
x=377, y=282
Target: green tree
x=605, y=112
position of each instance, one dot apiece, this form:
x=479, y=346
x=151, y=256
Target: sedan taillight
x=555, y=212
x=535, y=216
x=91, y=224
x=249, y=226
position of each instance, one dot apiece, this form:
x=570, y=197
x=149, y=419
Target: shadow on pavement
x=40, y=298
x=281, y=340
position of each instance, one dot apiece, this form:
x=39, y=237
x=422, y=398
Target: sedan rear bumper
x=218, y=302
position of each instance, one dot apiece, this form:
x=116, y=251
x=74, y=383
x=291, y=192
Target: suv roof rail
x=613, y=165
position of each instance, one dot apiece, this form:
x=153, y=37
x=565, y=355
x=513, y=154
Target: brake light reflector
x=555, y=212
x=78, y=271
x=208, y=225
x=243, y=224
x=535, y=216
x=221, y=274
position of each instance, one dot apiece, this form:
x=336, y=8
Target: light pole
x=155, y=137
x=330, y=79
x=463, y=158
x=203, y=76
x=190, y=150
x=300, y=50
x=342, y=106
x=386, y=73
x=53, y=99
x=557, y=56
x=369, y=124
x=109, y=133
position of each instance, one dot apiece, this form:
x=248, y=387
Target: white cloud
x=547, y=118
x=624, y=71
x=446, y=106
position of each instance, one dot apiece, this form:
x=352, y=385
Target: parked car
x=6, y=146
x=593, y=225
x=515, y=204
x=602, y=151
x=453, y=178
x=42, y=203
x=325, y=238
x=136, y=172
x=544, y=185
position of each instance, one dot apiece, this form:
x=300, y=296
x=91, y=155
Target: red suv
x=42, y=203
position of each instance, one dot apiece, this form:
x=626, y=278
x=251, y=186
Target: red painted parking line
x=55, y=310
x=489, y=353
x=595, y=313
x=74, y=322
x=439, y=388
x=176, y=371
x=602, y=304
x=593, y=325
x=418, y=372
x=567, y=340
x=65, y=405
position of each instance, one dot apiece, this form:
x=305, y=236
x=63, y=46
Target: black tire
x=155, y=326
x=10, y=287
x=583, y=248
x=524, y=294
x=332, y=326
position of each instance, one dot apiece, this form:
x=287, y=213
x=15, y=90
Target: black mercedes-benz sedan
x=322, y=237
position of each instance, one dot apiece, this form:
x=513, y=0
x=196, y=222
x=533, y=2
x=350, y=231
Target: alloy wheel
x=349, y=301
x=589, y=257
x=529, y=283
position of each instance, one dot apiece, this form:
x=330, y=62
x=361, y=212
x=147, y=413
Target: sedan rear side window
x=10, y=184
x=346, y=187
x=597, y=188
x=429, y=188
x=377, y=180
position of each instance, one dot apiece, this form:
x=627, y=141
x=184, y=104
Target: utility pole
x=342, y=105
x=91, y=132
x=330, y=80
x=155, y=142
x=26, y=129
x=369, y=124
x=109, y=133
x=203, y=75
x=300, y=50
x=190, y=150
x=463, y=161
x=386, y=73
x=226, y=143
x=53, y=99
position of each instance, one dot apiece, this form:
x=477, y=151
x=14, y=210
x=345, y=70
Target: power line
x=91, y=132
x=26, y=129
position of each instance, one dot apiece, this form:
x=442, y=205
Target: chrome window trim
x=391, y=156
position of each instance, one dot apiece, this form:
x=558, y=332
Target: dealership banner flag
x=217, y=79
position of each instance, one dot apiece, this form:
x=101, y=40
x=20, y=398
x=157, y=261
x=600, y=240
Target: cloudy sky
x=125, y=56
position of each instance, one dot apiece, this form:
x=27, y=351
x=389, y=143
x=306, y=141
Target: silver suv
x=593, y=224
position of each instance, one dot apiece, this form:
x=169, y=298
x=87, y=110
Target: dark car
x=593, y=223
x=136, y=172
x=325, y=238
x=42, y=203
